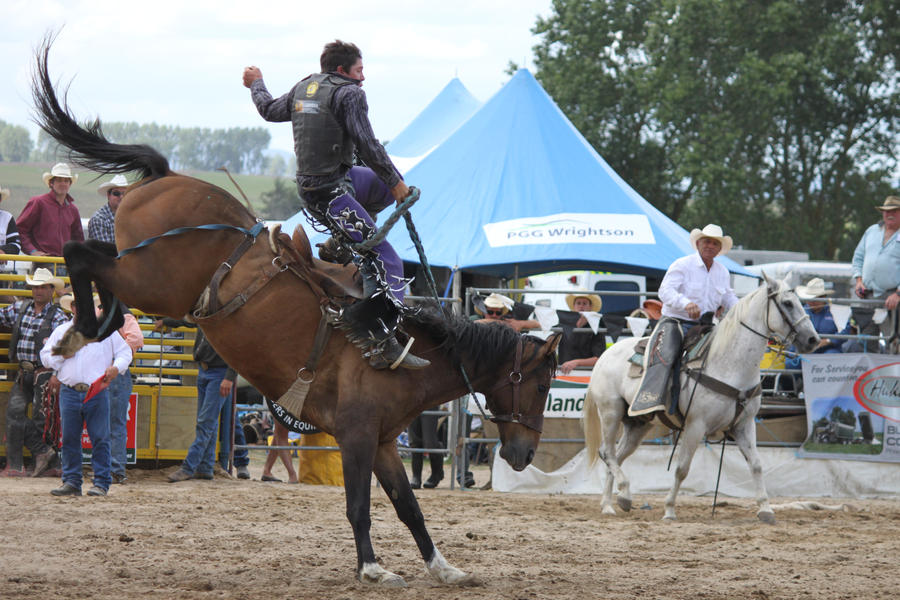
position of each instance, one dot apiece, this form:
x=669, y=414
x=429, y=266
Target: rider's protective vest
x=40, y=335
x=320, y=143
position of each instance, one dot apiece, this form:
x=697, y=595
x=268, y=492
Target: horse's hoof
x=767, y=517
x=374, y=573
x=669, y=518
x=440, y=569
x=608, y=510
x=624, y=503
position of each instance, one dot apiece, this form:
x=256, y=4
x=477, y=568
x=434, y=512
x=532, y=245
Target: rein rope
x=515, y=377
x=253, y=232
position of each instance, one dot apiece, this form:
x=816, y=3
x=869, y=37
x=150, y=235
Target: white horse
x=736, y=348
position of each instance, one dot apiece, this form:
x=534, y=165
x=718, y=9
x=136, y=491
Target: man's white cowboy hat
x=65, y=302
x=890, y=203
x=116, y=182
x=595, y=300
x=815, y=288
x=494, y=301
x=43, y=276
x=4, y=194
x=60, y=170
x=714, y=232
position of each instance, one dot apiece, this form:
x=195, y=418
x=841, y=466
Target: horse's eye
x=788, y=304
x=543, y=389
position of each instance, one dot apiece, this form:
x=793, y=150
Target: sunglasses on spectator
x=496, y=313
x=117, y=193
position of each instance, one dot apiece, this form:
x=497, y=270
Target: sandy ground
x=249, y=539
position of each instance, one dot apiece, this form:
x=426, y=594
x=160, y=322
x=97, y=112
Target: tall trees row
x=776, y=118
x=239, y=149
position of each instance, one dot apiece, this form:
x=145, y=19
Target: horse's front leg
x=687, y=446
x=83, y=261
x=357, y=458
x=392, y=477
x=745, y=436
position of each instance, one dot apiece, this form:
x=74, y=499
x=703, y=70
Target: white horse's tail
x=591, y=423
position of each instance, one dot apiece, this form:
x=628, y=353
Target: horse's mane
x=728, y=327
x=487, y=346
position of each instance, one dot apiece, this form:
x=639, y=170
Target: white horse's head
x=786, y=318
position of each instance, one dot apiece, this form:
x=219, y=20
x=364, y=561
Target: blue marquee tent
x=447, y=111
x=516, y=189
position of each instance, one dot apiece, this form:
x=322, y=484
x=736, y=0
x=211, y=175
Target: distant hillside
x=24, y=181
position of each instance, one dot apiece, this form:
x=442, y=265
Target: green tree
x=281, y=202
x=15, y=143
x=777, y=119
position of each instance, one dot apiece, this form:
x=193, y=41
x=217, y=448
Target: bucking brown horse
x=261, y=311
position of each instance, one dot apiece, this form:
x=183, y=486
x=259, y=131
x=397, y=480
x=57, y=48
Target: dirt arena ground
x=249, y=539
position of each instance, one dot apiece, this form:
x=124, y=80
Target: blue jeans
x=119, y=393
x=242, y=456
x=73, y=413
x=201, y=455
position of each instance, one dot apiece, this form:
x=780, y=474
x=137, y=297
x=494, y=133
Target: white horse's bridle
x=792, y=325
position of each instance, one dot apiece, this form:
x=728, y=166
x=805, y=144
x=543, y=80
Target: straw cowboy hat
x=815, y=288
x=714, y=232
x=890, y=203
x=60, y=170
x=66, y=300
x=4, y=194
x=494, y=301
x=653, y=309
x=596, y=302
x=116, y=182
x=43, y=276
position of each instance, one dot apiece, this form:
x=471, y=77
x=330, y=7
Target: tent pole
x=457, y=290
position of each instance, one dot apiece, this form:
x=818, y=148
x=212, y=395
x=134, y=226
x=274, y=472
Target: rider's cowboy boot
x=660, y=357
x=387, y=353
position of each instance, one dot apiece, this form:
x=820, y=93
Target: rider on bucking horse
x=329, y=115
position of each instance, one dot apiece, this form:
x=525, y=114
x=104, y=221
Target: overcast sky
x=180, y=62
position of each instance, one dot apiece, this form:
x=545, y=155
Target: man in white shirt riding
x=695, y=285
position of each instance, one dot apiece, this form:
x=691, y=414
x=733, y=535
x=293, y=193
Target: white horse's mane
x=728, y=327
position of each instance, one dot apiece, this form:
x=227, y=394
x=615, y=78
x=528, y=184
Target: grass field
x=24, y=181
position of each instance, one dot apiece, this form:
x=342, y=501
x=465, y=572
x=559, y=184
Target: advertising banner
x=852, y=406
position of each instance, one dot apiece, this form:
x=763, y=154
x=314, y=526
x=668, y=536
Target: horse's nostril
x=529, y=457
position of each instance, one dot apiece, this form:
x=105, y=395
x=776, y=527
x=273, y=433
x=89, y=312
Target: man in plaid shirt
x=32, y=322
x=102, y=225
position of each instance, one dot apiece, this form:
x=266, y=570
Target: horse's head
x=786, y=317
x=517, y=401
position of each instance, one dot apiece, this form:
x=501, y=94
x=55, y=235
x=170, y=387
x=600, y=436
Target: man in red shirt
x=47, y=222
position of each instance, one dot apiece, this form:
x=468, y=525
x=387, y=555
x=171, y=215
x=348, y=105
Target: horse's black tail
x=88, y=147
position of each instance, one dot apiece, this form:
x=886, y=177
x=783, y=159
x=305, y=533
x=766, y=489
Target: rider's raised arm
x=275, y=110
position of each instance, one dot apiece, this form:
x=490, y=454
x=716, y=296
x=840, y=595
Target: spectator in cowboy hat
x=579, y=348
x=49, y=221
x=876, y=269
x=102, y=225
x=31, y=322
x=695, y=284
x=495, y=309
x=814, y=295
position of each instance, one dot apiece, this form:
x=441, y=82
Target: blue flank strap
x=252, y=232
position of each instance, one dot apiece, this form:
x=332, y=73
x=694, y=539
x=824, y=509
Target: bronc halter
x=514, y=379
x=792, y=325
